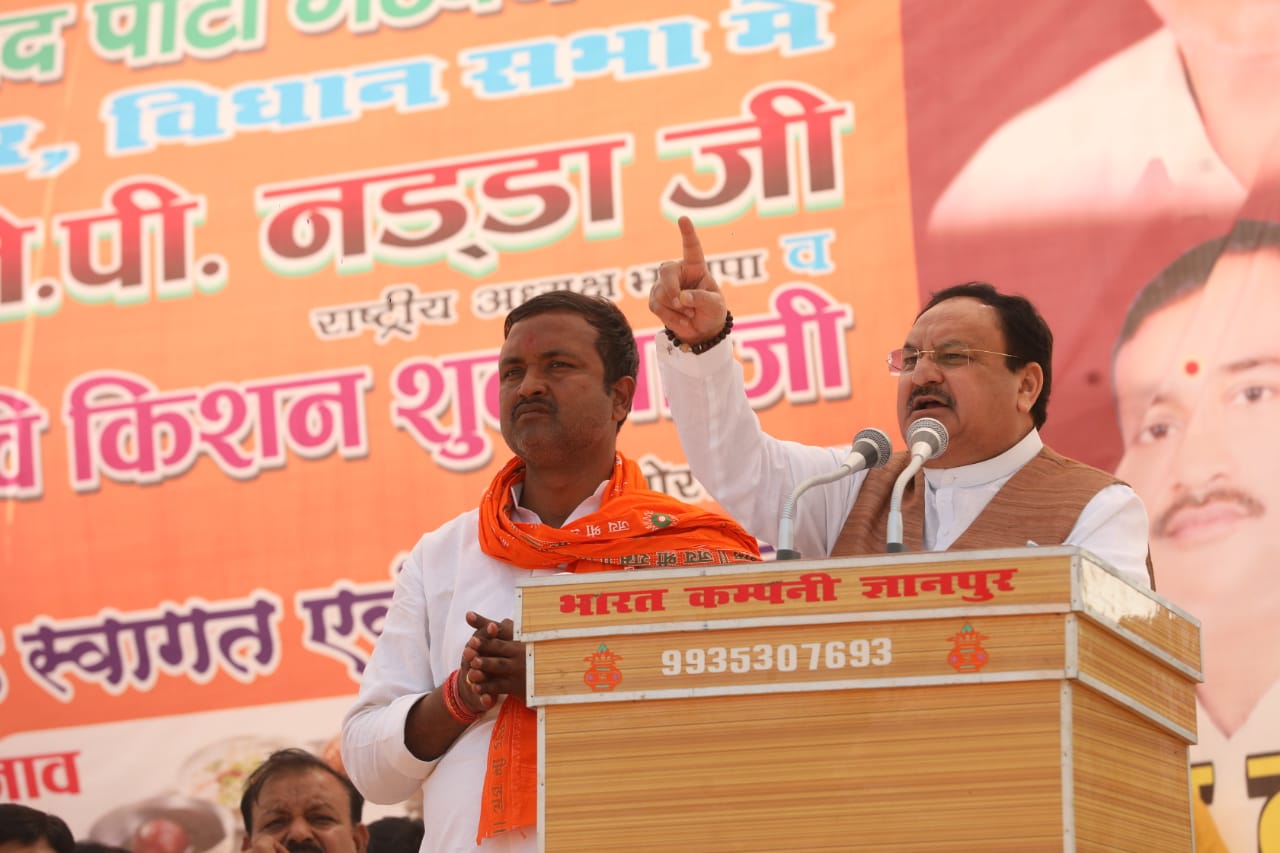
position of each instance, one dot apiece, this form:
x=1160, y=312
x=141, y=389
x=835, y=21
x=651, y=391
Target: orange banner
x=254, y=262
x=255, y=258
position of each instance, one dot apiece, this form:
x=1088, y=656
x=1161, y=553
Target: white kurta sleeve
x=398, y=674
x=749, y=473
x=1113, y=527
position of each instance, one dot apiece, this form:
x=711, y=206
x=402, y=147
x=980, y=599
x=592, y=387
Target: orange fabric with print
x=657, y=530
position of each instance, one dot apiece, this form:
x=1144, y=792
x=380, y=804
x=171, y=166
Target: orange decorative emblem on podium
x=967, y=655
x=603, y=675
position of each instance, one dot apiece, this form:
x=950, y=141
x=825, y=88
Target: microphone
x=871, y=449
x=926, y=438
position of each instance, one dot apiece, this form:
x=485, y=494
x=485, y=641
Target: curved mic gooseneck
x=871, y=449
x=926, y=438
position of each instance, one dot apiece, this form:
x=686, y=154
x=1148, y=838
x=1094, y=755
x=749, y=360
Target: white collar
x=588, y=506
x=988, y=470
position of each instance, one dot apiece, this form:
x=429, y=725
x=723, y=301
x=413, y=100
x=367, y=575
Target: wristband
x=453, y=700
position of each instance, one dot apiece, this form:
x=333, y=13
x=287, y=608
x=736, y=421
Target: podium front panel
x=1011, y=700
x=959, y=768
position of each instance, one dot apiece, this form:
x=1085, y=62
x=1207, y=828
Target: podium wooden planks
x=1025, y=699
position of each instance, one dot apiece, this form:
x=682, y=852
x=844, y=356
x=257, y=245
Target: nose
x=926, y=372
x=1203, y=456
x=532, y=383
x=299, y=830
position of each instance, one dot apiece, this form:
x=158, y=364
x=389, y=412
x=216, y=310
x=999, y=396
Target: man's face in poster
x=1198, y=390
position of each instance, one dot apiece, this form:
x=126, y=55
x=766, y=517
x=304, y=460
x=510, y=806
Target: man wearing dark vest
x=977, y=360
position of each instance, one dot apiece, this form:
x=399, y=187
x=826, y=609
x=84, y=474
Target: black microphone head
x=931, y=432
x=876, y=447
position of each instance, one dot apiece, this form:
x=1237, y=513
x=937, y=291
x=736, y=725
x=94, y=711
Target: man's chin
x=541, y=449
x=1197, y=574
x=529, y=434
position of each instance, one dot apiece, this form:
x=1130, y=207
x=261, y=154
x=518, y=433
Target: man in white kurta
x=751, y=473
x=442, y=701
x=425, y=630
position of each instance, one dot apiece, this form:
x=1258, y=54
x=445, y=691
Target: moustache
x=307, y=846
x=929, y=391
x=538, y=405
x=1252, y=507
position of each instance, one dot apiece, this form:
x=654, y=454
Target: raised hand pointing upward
x=686, y=297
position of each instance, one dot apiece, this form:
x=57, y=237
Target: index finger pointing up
x=695, y=265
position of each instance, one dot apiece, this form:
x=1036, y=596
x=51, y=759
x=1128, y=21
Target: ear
x=623, y=392
x=246, y=841
x=361, y=837
x=1030, y=382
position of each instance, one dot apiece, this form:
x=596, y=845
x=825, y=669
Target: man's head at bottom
x=296, y=802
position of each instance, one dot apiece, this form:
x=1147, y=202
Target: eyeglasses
x=946, y=358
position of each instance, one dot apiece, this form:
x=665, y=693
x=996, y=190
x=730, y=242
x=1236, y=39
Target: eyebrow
x=320, y=804
x=1157, y=397
x=950, y=342
x=1251, y=363
x=265, y=815
x=542, y=356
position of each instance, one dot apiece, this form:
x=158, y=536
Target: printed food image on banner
x=168, y=822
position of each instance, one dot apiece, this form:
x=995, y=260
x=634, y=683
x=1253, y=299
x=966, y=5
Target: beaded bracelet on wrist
x=703, y=346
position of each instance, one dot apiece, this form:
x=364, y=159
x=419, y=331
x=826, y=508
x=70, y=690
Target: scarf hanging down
x=635, y=527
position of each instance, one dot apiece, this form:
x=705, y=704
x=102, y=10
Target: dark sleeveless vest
x=1040, y=503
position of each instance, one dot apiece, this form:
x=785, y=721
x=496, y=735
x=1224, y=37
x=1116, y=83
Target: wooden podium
x=1018, y=700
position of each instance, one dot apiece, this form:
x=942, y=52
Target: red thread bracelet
x=453, y=700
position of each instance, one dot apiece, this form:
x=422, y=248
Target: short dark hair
x=1027, y=336
x=395, y=834
x=285, y=761
x=26, y=825
x=1190, y=272
x=615, y=342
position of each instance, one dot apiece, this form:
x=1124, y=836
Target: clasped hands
x=493, y=663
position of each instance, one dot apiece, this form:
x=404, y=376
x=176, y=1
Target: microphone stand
x=786, y=535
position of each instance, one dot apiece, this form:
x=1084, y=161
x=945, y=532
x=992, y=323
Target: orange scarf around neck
x=635, y=527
